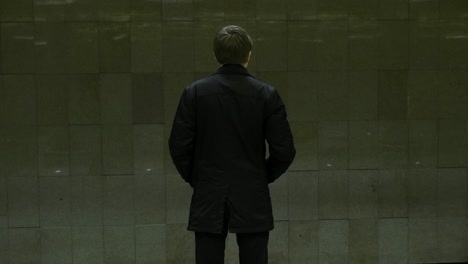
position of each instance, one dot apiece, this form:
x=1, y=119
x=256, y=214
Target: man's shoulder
x=203, y=80
x=248, y=79
x=210, y=83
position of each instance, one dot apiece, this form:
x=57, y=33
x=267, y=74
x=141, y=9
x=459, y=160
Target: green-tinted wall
x=376, y=92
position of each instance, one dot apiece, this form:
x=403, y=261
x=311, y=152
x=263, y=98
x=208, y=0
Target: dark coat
x=217, y=144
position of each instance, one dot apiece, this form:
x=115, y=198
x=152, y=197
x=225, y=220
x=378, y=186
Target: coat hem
x=233, y=229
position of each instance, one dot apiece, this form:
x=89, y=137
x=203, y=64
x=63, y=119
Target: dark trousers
x=253, y=248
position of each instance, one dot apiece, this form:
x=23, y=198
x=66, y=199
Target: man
x=217, y=144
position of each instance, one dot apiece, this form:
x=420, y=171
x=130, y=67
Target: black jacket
x=217, y=144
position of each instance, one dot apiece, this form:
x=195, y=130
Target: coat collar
x=233, y=69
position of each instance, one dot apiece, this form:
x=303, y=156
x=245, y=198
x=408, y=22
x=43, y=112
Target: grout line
x=102, y=182
x=133, y=177
x=437, y=217
x=36, y=127
x=287, y=89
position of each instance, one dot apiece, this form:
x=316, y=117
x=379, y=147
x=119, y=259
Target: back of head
x=232, y=45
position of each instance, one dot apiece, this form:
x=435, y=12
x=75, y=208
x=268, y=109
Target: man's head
x=232, y=45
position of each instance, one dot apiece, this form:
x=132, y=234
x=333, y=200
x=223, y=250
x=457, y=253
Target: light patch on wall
x=360, y=37
x=23, y=37
x=456, y=36
x=121, y=36
x=55, y=2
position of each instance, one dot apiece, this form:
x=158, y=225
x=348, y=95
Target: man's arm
x=279, y=137
x=181, y=141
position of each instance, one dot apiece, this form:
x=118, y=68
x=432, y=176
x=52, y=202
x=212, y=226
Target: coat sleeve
x=182, y=138
x=279, y=137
